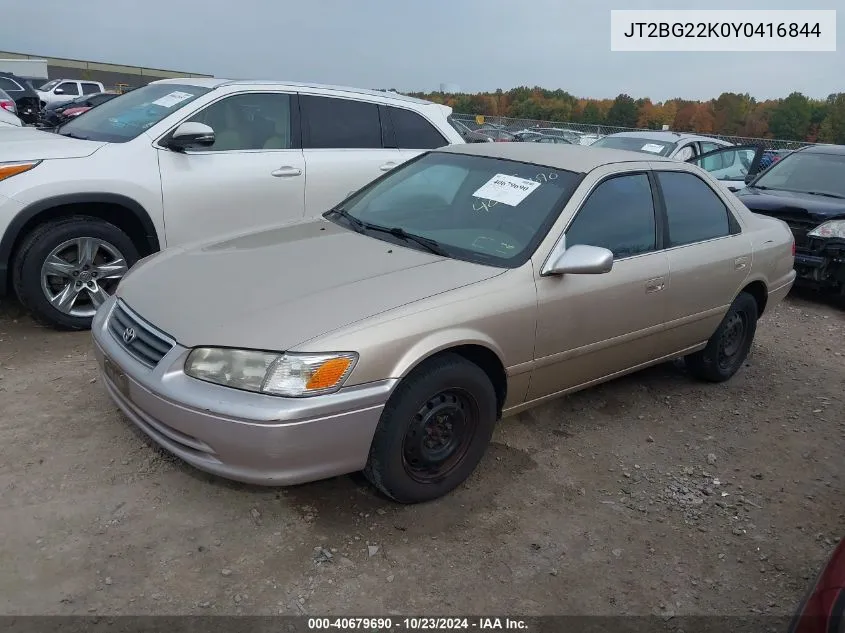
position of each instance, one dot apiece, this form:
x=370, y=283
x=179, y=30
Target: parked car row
x=59, y=112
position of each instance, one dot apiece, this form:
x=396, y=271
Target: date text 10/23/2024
x=433, y=624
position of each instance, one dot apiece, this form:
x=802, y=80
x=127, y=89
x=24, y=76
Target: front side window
x=68, y=88
x=728, y=163
x=10, y=85
x=475, y=208
x=413, y=131
x=694, y=211
x=806, y=172
x=248, y=121
x=125, y=117
x=332, y=123
x=619, y=216
x=636, y=144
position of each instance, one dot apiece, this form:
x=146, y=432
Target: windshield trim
x=453, y=251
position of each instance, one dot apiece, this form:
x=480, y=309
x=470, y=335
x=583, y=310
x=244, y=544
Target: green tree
x=832, y=129
x=623, y=112
x=791, y=118
x=591, y=113
x=731, y=110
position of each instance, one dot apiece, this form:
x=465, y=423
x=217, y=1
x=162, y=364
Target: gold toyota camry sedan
x=391, y=333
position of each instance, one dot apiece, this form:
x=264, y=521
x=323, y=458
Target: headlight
x=7, y=170
x=834, y=228
x=292, y=375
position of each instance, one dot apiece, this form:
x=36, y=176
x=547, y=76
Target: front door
x=731, y=165
x=252, y=177
x=343, y=148
x=592, y=326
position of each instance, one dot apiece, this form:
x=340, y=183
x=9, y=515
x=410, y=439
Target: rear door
x=343, y=147
x=731, y=165
x=709, y=255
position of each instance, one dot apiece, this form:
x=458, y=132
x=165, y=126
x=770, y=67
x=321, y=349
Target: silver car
x=474, y=282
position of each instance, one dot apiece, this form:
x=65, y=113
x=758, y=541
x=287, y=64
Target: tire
x=87, y=288
x=728, y=348
x=448, y=384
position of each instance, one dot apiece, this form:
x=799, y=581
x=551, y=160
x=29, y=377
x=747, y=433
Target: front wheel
x=433, y=431
x=66, y=269
x=728, y=348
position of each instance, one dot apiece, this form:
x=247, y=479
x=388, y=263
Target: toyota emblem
x=128, y=335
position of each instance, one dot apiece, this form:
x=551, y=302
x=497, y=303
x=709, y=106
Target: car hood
x=26, y=143
x=281, y=287
x=791, y=204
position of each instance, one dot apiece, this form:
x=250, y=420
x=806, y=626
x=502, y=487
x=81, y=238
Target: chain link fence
x=590, y=132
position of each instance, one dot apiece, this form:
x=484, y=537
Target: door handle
x=740, y=263
x=655, y=285
x=286, y=172
x=387, y=166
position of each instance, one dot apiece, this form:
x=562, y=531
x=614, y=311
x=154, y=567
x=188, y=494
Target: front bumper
x=248, y=437
x=821, y=263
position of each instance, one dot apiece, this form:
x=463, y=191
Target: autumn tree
x=731, y=110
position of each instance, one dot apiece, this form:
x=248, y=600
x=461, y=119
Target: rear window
x=636, y=144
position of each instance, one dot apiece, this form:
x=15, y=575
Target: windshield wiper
x=71, y=135
x=357, y=224
x=432, y=246
x=825, y=194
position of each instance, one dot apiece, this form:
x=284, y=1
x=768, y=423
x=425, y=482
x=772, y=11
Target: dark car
x=53, y=114
x=26, y=99
x=496, y=134
x=551, y=139
x=806, y=189
x=823, y=608
x=469, y=135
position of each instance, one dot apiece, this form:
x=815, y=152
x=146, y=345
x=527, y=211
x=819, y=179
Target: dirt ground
x=651, y=494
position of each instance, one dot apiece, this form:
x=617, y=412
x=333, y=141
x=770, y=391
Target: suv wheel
x=433, y=431
x=66, y=269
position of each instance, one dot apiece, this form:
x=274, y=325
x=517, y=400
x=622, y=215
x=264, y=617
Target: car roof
x=577, y=158
x=823, y=149
x=213, y=82
x=668, y=137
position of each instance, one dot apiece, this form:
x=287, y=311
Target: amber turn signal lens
x=328, y=374
x=13, y=169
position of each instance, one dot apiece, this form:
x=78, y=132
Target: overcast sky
x=415, y=44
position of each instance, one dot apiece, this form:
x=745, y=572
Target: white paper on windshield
x=654, y=148
x=172, y=98
x=509, y=190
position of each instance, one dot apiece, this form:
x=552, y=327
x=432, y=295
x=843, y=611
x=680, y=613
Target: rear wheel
x=433, y=431
x=728, y=348
x=66, y=269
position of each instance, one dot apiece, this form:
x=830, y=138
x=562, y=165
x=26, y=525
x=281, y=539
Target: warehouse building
x=112, y=76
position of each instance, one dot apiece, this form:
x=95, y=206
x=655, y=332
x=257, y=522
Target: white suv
x=184, y=160
x=64, y=90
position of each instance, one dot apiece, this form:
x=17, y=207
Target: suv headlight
x=292, y=375
x=833, y=228
x=7, y=170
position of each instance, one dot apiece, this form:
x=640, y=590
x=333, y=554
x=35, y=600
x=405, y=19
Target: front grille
x=138, y=337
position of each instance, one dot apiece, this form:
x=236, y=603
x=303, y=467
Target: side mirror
x=580, y=259
x=190, y=134
x=59, y=91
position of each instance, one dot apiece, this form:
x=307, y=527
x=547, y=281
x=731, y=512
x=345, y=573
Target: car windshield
x=485, y=210
x=123, y=118
x=49, y=85
x=806, y=172
x=636, y=144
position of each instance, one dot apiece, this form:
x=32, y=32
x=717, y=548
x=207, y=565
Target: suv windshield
x=123, y=118
x=806, y=172
x=486, y=210
x=636, y=144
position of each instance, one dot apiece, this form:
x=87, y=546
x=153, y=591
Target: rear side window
x=89, y=89
x=10, y=85
x=332, y=123
x=413, y=131
x=694, y=211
